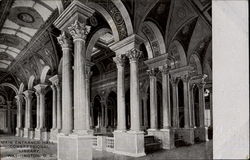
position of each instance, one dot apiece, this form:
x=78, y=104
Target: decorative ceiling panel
x=24, y=19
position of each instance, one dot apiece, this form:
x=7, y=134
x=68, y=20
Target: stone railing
x=103, y=143
x=110, y=144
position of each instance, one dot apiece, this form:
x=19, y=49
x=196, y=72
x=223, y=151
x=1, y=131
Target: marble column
x=133, y=56
x=191, y=101
x=185, y=80
x=19, y=100
x=166, y=97
x=153, y=99
x=28, y=112
x=59, y=106
x=37, y=110
x=145, y=111
x=54, y=107
x=40, y=88
x=9, y=104
x=88, y=74
x=211, y=107
x=121, y=110
x=175, y=103
x=67, y=87
x=79, y=33
x=201, y=104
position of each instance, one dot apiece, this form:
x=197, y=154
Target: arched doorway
x=111, y=111
x=196, y=106
x=181, y=103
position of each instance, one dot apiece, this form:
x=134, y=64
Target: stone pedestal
x=38, y=133
x=201, y=134
x=19, y=132
x=129, y=143
x=165, y=135
x=186, y=134
x=28, y=133
x=53, y=135
x=74, y=147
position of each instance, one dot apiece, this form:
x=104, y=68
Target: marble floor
x=15, y=147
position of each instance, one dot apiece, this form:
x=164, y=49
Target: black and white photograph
x=123, y=80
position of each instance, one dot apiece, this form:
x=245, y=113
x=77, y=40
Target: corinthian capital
x=119, y=60
x=134, y=55
x=165, y=69
x=64, y=40
x=79, y=30
x=152, y=72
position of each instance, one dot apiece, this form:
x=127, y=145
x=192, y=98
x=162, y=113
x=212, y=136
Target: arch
x=155, y=44
x=194, y=60
x=44, y=74
x=94, y=39
x=177, y=51
x=110, y=20
x=14, y=88
x=31, y=82
x=21, y=88
x=107, y=17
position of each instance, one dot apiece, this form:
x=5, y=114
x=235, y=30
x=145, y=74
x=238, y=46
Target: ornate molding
x=64, y=40
x=119, y=60
x=79, y=31
x=133, y=55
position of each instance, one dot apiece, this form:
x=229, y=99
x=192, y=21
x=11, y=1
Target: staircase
x=151, y=143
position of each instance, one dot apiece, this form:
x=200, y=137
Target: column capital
x=65, y=41
x=40, y=88
x=165, y=69
x=55, y=80
x=133, y=54
x=19, y=97
x=53, y=87
x=152, y=72
x=201, y=85
x=28, y=94
x=174, y=80
x=185, y=78
x=119, y=60
x=79, y=31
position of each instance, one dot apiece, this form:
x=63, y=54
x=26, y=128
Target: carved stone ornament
x=79, y=30
x=64, y=40
x=119, y=60
x=134, y=55
x=152, y=72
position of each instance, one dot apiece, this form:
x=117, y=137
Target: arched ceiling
x=20, y=20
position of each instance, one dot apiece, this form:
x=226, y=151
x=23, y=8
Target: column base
x=185, y=134
x=82, y=132
x=201, y=134
x=130, y=143
x=53, y=135
x=19, y=132
x=74, y=147
x=28, y=133
x=165, y=135
x=41, y=134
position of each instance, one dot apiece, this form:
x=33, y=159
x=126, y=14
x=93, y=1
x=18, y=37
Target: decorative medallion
x=181, y=12
x=25, y=17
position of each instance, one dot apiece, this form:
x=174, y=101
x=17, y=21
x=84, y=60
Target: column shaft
x=121, y=110
x=54, y=107
x=153, y=99
x=37, y=110
x=42, y=110
x=166, y=99
x=59, y=107
x=67, y=90
x=191, y=101
x=28, y=116
x=186, y=102
x=175, y=106
x=202, y=105
x=134, y=55
x=211, y=108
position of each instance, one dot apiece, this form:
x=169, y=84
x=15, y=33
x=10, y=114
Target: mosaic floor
x=16, y=148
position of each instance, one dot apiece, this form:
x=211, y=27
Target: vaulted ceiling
x=20, y=21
